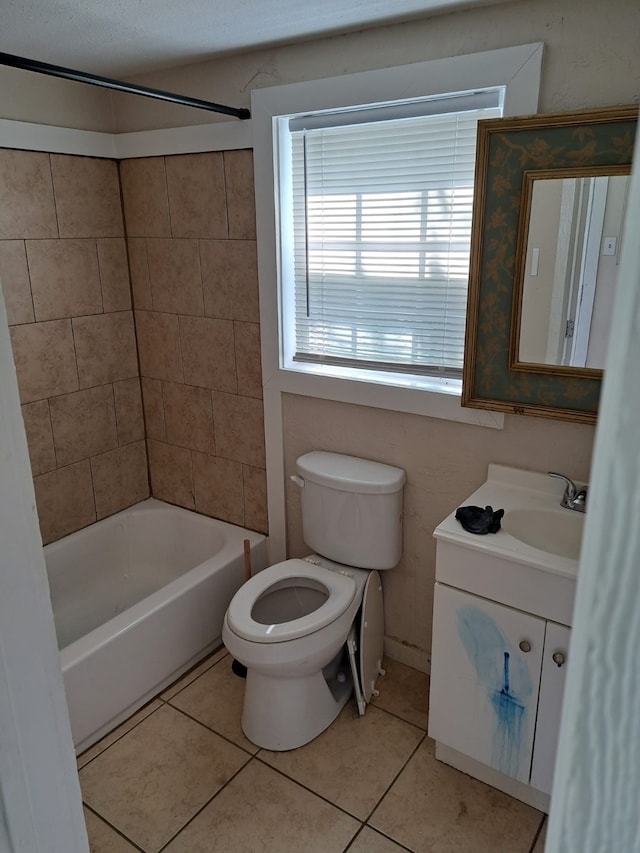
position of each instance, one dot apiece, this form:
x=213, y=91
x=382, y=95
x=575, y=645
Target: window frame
x=431, y=117
x=516, y=68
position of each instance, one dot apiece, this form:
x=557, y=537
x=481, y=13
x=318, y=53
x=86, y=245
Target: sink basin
x=555, y=531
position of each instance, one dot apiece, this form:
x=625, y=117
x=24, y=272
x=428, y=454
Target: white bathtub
x=138, y=598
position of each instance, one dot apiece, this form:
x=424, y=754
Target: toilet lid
x=341, y=590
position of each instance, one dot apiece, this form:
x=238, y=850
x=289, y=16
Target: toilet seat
x=341, y=591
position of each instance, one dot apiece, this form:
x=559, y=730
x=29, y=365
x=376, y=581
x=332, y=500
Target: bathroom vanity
x=501, y=630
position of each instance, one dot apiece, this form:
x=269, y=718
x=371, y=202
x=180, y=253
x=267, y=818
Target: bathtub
x=138, y=598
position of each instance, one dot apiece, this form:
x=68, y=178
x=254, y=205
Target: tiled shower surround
x=83, y=355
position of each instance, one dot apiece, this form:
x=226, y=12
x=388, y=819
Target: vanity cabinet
x=496, y=690
x=502, y=609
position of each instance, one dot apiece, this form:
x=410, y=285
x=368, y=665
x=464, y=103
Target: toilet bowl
x=293, y=625
x=289, y=625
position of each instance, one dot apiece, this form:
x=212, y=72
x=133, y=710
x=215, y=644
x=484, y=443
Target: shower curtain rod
x=107, y=83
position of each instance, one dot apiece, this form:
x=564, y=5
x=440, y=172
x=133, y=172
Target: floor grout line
x=538, y=834
x=111, y=826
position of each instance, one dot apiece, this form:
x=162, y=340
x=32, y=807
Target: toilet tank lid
x=350, y=473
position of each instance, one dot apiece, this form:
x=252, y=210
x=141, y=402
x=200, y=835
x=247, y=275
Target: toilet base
x=285, y=713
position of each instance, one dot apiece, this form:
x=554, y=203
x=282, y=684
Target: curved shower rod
x=107, y=83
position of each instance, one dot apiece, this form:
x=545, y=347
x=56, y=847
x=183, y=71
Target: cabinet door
x=485, y=674
x=554, y=673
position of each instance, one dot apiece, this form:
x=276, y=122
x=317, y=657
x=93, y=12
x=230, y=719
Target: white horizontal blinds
x=381, y=227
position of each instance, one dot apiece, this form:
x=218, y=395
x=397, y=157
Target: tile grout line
x=395, y=778
x=114, y=828
x=205, y=805
x=538, y=834
x=157, y=697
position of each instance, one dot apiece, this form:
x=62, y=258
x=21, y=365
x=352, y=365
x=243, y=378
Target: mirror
x=567, y=266
x=517, y=159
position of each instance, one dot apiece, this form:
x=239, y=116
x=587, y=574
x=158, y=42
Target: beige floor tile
x=95, y=750
x=370, y=841
x=156, y=777
x=215, y=700
x=261, y=810
x=104, y=839
x=354, y=761
x=432, y=807
x=542, y=838
x=194, y=673
x=404, y=691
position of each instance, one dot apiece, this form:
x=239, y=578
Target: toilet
x=310, y=631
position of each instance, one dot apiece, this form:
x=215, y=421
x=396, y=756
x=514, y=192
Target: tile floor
x=180, y=777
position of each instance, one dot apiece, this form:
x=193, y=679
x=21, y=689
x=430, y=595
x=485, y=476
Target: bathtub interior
x=105, y=569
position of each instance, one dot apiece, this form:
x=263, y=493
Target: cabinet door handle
x=524, y=646
x=558, y=658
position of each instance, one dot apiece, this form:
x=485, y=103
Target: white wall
x=592, y=57
x=26, y=96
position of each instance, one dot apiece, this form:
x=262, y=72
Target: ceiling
x=116, y=37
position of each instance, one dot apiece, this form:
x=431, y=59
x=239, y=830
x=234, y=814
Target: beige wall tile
x=239, y=428
x=208, y=355
x=84, y=423
x=114, y=274
x=129, y=414
x=171, y=473
x=139, y=272
x=248, y=366
x=255, y=498
x=159, y=345
x=230, y=279
x=174, y=273
x=45, y=359
x=144, y=196
x=14, y=280
x=105, y=348
x=241, y=209
x=120, y=478
x=65, y=500
x=197, y=195
x=153, y=408
x=27, y=209
x=218, y=488
x=87, y=195
x=65, y=280
x=188, y=418
x=37, y=425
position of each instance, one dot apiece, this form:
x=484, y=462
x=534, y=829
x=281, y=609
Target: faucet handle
x=571, y=486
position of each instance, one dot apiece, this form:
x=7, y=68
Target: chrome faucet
x=573, y=497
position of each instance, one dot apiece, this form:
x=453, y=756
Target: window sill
x=416, y=395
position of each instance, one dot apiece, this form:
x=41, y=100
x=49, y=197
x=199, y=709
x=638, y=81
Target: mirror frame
x=508, y=149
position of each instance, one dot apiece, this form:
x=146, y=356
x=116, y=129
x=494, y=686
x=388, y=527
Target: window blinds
x=381, y=229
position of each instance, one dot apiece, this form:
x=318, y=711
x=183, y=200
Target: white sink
x=536, y=530
x=557, y=532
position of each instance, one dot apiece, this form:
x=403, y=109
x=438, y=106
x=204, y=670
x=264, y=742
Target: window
x=375, y=221
x=334, y=105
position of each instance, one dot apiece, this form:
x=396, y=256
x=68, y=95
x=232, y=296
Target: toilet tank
x=352, y=509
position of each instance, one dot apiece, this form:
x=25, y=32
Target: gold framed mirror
x=523, y=162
